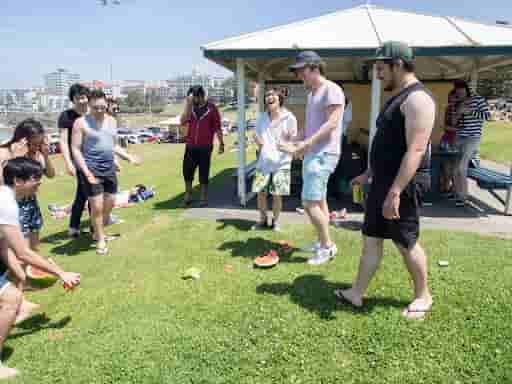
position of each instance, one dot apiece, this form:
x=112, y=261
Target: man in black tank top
x=399, y=161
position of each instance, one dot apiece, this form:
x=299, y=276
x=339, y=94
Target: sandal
x=102, y=250
x=418, y=309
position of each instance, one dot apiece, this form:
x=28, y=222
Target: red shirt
x=202, y=129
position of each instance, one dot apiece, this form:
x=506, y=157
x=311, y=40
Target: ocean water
x=4, y=135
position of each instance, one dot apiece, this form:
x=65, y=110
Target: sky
x=158, y=39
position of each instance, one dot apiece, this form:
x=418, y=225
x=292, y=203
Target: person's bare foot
x=6, y=372
x=26, y=310
x=348, y=296
x=418, y=309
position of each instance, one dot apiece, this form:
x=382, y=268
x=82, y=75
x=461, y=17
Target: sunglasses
x=99, y=107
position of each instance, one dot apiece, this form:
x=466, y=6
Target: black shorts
x=404, y=231
x=105, y=184
x=197, y=157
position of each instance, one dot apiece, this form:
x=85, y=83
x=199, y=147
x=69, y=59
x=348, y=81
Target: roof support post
x=240, y=77
x=374, y=106
x=474, y=79
x=261, y=92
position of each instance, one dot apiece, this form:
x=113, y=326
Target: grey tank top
x=98, y=146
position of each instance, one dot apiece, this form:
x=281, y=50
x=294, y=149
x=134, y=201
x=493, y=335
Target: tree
x=135, y=99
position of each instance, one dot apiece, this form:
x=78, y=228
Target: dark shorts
x=197, y=157
x=404, y=231
x=105, y=184
x=31, y=219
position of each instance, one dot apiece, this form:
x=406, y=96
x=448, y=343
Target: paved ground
x=483, y=216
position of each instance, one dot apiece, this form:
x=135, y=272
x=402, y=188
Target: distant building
x=211, y=84
x=58, y=103
x=57, y=83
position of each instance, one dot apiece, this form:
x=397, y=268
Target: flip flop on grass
x=342, y=299
x=418, y=309
x=102, y=250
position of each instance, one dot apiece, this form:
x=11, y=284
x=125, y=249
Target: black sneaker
x=261, y=226
x=460, y=203
x=275, y=226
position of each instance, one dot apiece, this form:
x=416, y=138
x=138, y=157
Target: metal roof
x=356, y=33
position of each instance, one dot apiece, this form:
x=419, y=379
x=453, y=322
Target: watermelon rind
x=40, y=281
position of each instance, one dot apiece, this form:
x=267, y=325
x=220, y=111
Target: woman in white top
x=275, y=126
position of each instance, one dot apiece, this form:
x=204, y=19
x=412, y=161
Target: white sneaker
x=323, y=255
x=74, y=233
x=312, y=248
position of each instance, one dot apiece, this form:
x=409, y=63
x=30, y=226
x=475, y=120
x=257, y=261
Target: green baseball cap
x=394, y=50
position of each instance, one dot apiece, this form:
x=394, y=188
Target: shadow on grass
x=350, y=225
x=239, y=224
x=221, y=193
x=316, y=294
x=71, y=247
x=258, y=246
x=38, y=323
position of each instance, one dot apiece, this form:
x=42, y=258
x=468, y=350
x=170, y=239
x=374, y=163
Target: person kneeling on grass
x=22, y=178
x=275, y=126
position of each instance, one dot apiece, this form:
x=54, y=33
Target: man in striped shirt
x=471, y=114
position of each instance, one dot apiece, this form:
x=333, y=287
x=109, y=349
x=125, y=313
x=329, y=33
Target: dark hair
x=459, y=84
x=77, y=90
x=320, y=66
x=25, y=130
x=407, y=65
x=197, y=91
x=23, y=168
x=278, y=93
x=97, y=94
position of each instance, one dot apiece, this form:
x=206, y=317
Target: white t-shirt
x=9, y=214
x=329, y=94
x=271, y=134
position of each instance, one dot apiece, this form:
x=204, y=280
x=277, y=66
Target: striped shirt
x=471, y=123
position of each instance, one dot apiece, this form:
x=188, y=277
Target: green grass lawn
x=497, y=142
x=134, y=320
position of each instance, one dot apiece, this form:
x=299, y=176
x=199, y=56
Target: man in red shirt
x=203, y=121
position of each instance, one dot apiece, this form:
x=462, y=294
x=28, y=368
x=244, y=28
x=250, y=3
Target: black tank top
x=390, y=141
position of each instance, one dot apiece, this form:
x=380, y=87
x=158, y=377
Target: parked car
x=147, y=138
x=130, y=138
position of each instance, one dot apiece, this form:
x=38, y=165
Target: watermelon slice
x=39, y=278
x=268, y=260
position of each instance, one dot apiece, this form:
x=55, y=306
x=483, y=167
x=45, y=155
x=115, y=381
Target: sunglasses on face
x=99, y=107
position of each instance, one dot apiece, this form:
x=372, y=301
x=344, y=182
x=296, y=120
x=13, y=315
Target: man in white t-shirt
x=321, y=148
x=22, y=177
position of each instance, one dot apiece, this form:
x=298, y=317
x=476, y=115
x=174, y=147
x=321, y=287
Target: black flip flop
x=340, y=299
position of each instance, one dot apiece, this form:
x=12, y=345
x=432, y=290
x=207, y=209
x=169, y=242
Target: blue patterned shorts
x=316, y=170
x=31, y=219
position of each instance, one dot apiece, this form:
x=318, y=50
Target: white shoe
x=312, y=248
x=74, y=233
x=323, y=255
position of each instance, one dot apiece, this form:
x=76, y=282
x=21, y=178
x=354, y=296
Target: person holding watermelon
x=22, y=178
